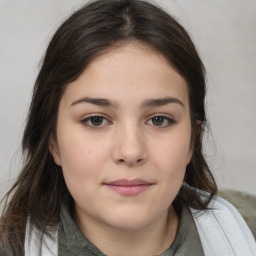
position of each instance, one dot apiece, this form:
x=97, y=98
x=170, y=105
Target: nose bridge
x=130, y=144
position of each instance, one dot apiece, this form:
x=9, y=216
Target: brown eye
x=161, y=121
x=158, y=120
x=95, y=121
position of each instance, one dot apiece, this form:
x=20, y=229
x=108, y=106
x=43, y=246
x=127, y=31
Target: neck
x=150, y=240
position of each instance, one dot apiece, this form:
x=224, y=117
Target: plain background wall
x=225, y=35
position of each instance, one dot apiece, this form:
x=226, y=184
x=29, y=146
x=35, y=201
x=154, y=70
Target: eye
x=161, y=121
x=95, y=121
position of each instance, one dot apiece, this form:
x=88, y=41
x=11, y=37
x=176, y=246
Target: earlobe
x=195, y=133
x=53, y=148
x=198, y=127
x=190, y=154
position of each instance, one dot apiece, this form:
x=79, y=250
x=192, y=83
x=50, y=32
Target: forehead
x=133, y=71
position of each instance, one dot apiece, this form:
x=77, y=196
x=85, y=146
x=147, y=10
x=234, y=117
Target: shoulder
x=5, y=247
x=5, y=250
x=223, y=230
x=2, y=251
x=38, y=242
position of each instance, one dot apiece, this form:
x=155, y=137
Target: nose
x=130, y=146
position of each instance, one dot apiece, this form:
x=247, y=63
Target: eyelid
x=88, y=117
x=170, y=119
x=167, y=117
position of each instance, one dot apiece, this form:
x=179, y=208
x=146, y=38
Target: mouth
x=129, y=187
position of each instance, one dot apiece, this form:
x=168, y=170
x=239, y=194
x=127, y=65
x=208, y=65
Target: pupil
x=97, y=120
x=158, y=121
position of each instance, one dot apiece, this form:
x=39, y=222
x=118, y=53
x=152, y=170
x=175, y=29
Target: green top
x=72, y=242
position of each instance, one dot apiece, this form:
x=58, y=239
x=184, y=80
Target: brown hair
x=40, y=187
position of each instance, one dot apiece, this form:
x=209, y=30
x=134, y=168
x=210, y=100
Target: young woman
x=113, y=145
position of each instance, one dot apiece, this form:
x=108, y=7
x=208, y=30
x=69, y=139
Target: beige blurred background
x=224, y=32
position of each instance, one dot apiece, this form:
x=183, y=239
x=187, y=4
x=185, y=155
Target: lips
x=129, y=187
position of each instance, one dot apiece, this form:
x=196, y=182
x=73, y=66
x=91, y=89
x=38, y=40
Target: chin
x=129, y=220
x=130, y=225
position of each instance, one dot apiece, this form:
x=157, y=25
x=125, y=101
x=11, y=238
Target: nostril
x=139, y=161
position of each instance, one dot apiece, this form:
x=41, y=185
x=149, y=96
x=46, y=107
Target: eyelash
x=170, y=121
x=89, y=119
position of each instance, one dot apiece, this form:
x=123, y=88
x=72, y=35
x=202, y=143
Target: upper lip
x=127, y=182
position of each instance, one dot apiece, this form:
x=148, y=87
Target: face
x=123, y=138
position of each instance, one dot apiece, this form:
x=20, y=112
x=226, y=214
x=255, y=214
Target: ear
x=195, y=133
x=190, y=154
x=54, y=150
x=198, y=127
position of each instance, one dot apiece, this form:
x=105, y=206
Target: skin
x=129, y=142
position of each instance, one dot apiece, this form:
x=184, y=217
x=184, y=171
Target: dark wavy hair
x=40, y=187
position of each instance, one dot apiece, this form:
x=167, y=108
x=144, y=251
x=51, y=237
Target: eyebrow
x=161, y=102
x=152, y=102
x=97, y=101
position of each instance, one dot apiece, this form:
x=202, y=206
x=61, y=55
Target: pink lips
x=128, y=187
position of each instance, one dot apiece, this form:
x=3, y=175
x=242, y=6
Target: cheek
x=81, y=163
x=79, y=150
x=81, y=159
x=171, y=160
x=173, y=154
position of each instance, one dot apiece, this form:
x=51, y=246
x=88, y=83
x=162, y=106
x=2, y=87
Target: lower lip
x=129, y=190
